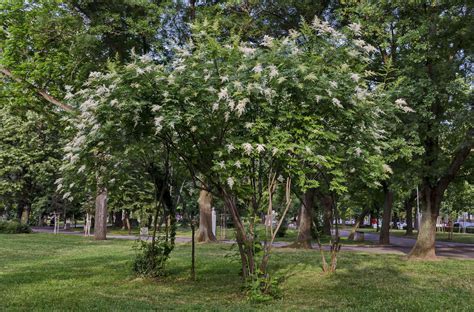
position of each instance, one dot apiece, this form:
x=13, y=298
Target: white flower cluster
x=402, y=104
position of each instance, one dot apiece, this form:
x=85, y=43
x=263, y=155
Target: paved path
x=399, y=245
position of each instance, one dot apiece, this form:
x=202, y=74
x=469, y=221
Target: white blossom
x=260, y=148
x=221, y=164
x=267, y=41
x=257, y=69
x=193, y=129
x=248, y=125
x=230, y=147
x=358, y=151
x=215, y=106
x=241, y=106
x=224, y=79
x=158, y=123
x=337, y=103
x=230, y=182
x=333, y=84
x=274, y=151
x=223, y=94
x=402, y=104
x=355, y=77
x=247, y=148
x=247, y=51
x=81, y=169
x=238, y=164
x=273, y=71
x=355, y=27
x=318, y=98
x=369, y=48
x=387, y=169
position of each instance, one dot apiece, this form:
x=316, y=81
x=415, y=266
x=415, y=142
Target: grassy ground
x=440, y=236
x=59, y=272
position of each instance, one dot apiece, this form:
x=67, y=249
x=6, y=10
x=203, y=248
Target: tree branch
x=459, y=158
x=40, y=92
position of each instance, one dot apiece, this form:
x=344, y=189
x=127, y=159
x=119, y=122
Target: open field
x=46, y=272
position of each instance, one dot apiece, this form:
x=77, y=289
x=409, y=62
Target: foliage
x=150, y=259
x=13, y=227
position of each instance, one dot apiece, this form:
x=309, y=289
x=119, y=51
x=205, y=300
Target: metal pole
x=417, y=208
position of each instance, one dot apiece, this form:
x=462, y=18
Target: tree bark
x=100, y=222
x=386, y=217
x=326, y=205
x=205, y=217
x=425, y=242
x=244, y=242
x=359, y=220
x=305, y=219
x=409, y=213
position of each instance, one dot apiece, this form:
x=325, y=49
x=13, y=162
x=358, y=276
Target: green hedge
x=13, y=227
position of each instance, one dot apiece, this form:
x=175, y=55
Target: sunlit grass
x=60, y=272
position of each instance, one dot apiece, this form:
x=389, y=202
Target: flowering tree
x=246, y=121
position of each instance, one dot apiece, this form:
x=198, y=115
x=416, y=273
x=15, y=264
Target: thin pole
x=417, y=207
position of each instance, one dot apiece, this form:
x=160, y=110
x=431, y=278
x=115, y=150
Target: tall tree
x=430, y=45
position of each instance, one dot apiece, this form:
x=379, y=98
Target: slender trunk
x=244, y=243
x=425, y=242
x=118, y=222
x=193, y=252
x=326, y=205
x=25, y=216
x=386, y=217
x=205, y=217
x=100, y=222
x=359, y=220
x=409, y=213
x=306, y=220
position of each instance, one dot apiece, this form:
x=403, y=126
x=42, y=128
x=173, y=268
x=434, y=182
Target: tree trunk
x=205, y=217
x=425, y=243
x=244, y=242
x=100, y=223
x=118, y=222
x=326, y=205
x=409, y=212
x=386, y=217
x=25, y=216
x=359, y=220
x=306, y=220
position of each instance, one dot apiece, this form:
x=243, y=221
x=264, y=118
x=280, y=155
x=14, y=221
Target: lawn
x=60, y=272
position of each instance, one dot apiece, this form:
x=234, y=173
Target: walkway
x=399, y=245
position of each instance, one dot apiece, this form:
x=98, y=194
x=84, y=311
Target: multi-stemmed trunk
x=205, y=217
x=305, y=219
x=100, y=220
x=386, y=217
x=245, y=242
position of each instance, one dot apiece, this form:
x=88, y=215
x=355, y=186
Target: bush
x=13, y=227
x=150, y=260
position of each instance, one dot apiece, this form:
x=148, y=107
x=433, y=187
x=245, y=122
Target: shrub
x=13, y=227
x=150, y=260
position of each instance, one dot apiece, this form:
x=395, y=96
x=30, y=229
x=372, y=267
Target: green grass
x=440, y=236
x=60, y=272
